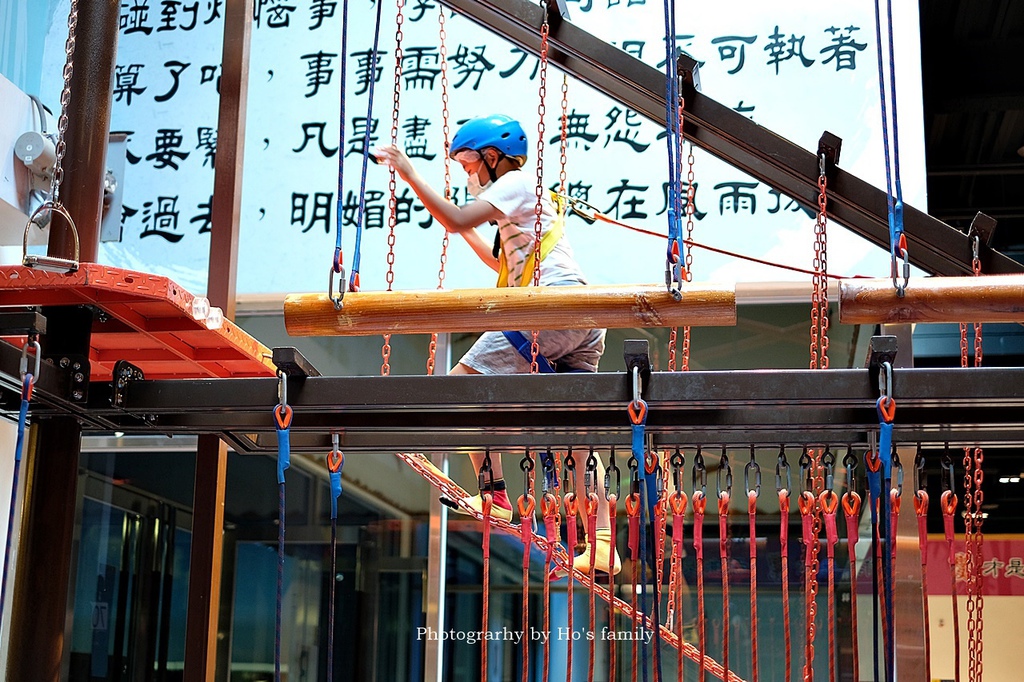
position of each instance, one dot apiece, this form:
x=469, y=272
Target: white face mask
x=474, y=187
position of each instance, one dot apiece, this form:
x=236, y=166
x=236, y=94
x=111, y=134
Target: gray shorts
x=571, y=349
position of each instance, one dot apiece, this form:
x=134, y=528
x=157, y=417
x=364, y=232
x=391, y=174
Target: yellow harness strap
x=547, y=242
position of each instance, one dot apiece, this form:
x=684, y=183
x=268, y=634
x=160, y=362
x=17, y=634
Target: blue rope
x=341, y=137
x=894, y=201
x=26, y=394
x=283, y=418
x=644, y=527
x=353, y=280
x=335, y=479
x=675, y=230
x=874, y=490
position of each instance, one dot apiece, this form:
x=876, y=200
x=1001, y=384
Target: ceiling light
x=1009, y=479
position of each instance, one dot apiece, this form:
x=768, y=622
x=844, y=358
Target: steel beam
x=933, y=245
x=446, y=413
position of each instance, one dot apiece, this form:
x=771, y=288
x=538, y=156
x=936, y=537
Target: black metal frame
x=933, y=245
x=450, y=413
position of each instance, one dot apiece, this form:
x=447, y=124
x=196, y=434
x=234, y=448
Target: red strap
x=700, y=503
x=784, y=522
x=806, y=504
x=633, y=510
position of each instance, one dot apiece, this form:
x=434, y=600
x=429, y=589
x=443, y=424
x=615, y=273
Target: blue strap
x=894, y=202
x=525, y=348
x=283, y=421
x=645, y=521
x=339, y=211
x=353, y=279
x=335, y=477
x=673, y=144
x=26, y=393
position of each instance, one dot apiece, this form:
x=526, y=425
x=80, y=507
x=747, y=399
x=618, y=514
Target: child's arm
x=482, y=249
x=454, y=218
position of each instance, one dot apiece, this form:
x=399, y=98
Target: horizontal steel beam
x=933, y=245
x=433, y=413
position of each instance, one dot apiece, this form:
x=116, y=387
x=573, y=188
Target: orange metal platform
x=146, y=319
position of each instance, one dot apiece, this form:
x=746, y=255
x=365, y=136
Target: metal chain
x=385, y=368
x=819, y=296
x=446, y=130
x=65, y=101
x=688, y=253
x=563, y=141
x=539, y=209
x=818, y=486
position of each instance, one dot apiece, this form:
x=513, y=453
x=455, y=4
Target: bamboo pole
x=514, y=308
x=991, y=298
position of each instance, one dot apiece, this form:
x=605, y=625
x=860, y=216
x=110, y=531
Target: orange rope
x=613, y=503
x=592, y=532
x=807, y=503
x=784, y=549
x=633, y=512
x=921, y=507
x=829, y=502
x=571, y=509
x=549, y=508
x=948, y=502
x=700, y=502
x=487, y=500
x=851, y=508
x=678, y=504
x=752, y=518
x=723, y=552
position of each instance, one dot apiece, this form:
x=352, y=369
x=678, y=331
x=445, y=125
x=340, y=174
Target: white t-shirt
x=515, y=195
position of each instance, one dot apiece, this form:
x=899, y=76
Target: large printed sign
x=798, y=68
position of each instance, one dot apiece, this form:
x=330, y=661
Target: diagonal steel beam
x=933, y=245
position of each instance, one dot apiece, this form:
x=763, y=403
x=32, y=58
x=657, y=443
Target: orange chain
x=385, y=353
x=819, y=297
x=974, y=477
x=446, y=129
x=539, y=208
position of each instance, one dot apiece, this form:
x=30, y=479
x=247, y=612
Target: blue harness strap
x=524, y=346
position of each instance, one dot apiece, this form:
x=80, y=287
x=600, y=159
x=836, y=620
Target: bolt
x=77, y=395
x=79, y=377
x=64, y=362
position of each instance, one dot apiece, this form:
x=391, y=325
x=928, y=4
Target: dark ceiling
x=972, y=55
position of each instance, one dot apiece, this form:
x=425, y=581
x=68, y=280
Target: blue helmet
x=498, y=131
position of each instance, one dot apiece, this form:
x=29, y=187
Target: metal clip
x=50, y=263
x=677, y=461
x=590, y=473
x=782, y=465
x=752, y=468
x=828, y=460
x=700, y=472
x=282, y=389
x=897, y=465
x=723, y=466
x=612, y=466
x=948, y=473
x=31, y=342
x=885, y=379
x=337, y=299
x=850, y=463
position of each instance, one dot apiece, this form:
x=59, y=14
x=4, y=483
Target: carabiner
x=885, y=380
x=337, y=297
x=700, y=472
x=31, y=342
x=569, y=473
x=724, y=466
x=612, y=466
x=828, y=461
x=485, y=477
x=850, y=463
x=782, y=465
x=677, y=461
x=590, y=473
x=752, y=466
x=282, y=389
x=897, y=465
x=805, y=470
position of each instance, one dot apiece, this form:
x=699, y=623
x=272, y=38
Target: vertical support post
x=437, y=547
x=206, y=559
x=92, y=82
x=40, y=594
x=437, y=554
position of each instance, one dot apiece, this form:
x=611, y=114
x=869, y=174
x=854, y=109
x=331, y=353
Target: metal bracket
x=22, y=323
x=637, y=355
x=557, y=11
x=289, y=360
x=124, y=374
x=77, y=370
x=880, y=349
x=829, y=146
x=984, y=226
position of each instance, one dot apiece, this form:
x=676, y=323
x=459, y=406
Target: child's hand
x=396, y=158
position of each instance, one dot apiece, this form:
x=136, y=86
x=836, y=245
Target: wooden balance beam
x=516, y=308
x=990, y=298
